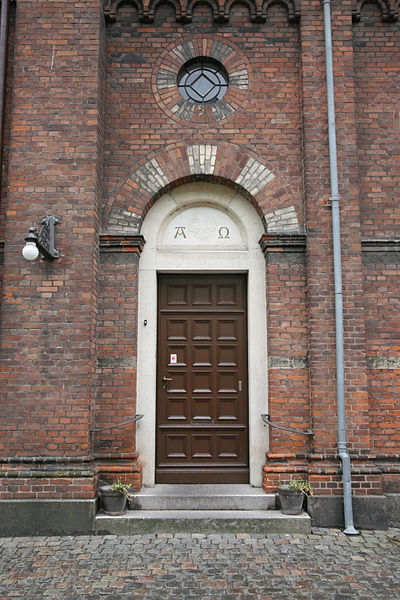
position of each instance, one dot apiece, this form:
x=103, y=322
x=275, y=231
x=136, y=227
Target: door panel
x=202, y=412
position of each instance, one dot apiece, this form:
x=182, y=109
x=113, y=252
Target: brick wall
x=96, y=119
x=378, y=134
x=382, y=306
x=49, y=309
x=370, y=306
x=377, y=79
x=6, y=133
x=116, y=362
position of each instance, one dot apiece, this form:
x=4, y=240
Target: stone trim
x=121, y=243
x=381, y=258
x=224, y=163
x=383, y=362
x=202, y=158
x=282, y=243
x=120, y=249
x=254, y=176
x=29, y=460
x=47, y=472
x=283, y=219
x=288, y=456
x=119, y=258
x=150, y=176
x=124, y=220
x=285, y=258
x=288, y=362
x=116, y=362
x=380, y=252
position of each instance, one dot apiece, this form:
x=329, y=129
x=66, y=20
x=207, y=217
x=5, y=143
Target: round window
x=203, y=80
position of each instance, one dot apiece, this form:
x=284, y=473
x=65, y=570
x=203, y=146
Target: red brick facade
x=96, y=131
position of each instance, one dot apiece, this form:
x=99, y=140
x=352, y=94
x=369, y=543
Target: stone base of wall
x=393, y=509
x=47, y=517
x=369, y=512
x=77, y=517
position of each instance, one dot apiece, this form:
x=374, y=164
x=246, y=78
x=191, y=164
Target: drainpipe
x=335, y=200
x=3, y=64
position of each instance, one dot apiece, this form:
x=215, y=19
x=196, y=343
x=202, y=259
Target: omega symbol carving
x=223, y=233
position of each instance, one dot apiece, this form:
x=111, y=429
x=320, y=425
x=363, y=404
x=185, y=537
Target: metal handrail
x=267, y=421
x=136, y=418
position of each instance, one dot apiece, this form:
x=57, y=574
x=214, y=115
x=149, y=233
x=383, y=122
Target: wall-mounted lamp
x=43, y=242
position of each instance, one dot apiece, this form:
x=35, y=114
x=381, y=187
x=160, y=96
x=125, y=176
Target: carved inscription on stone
x=180, y=231
x=202, y=226
x=223, y=233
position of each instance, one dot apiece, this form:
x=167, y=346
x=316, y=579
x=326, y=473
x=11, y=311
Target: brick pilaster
x=49, y=309
x=319, y=236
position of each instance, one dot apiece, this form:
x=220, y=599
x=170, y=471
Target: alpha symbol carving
x=180, y=231
x=223, y=233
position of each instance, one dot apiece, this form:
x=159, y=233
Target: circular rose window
x=202, y=80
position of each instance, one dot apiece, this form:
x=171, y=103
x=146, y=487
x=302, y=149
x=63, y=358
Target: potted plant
x=114, y=497
x=292, y=495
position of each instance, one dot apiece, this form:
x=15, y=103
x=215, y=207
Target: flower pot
x=114, y=503
x=291, y=501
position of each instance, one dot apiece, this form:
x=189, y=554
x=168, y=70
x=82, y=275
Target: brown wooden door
x=202, y=413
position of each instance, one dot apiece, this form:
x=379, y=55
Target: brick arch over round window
x=222, y=163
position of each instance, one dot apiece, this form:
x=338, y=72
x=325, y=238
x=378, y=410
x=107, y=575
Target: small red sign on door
x=173, y=359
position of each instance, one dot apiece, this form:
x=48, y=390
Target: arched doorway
x=208, y=233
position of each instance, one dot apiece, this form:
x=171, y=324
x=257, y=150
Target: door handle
x=164, y=382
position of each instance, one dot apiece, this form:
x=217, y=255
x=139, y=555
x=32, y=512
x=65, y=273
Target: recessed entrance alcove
x=202, y=230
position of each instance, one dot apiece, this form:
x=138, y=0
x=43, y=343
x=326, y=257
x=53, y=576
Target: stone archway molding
x=225, y=163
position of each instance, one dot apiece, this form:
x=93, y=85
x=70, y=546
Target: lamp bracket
x=46, y=237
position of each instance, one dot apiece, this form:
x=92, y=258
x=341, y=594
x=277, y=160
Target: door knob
x=167, y=378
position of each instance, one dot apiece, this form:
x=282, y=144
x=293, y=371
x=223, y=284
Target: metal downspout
x=335, y=200
x=3, y=65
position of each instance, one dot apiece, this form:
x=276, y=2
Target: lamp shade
x=30, y=251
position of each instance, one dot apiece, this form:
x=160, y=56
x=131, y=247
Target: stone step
x=141, y=522
x=202, y=497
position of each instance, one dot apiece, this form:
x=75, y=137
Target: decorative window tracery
x=203, y=80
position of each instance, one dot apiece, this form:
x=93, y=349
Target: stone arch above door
x=231, y=165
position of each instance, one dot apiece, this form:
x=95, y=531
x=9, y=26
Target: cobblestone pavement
x=326, y=565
